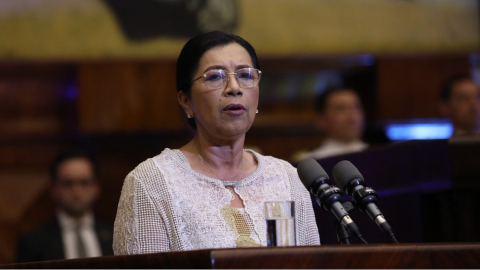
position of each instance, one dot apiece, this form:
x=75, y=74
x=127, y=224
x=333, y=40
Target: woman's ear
x=184, y=101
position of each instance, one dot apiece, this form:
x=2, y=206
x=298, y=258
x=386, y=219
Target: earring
x=188, y=116
x=256, y=111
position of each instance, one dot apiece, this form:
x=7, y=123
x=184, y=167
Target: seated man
x=340, y=117
x=74, y=233
x=460, y=101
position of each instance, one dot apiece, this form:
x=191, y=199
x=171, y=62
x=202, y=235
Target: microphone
x=330, y=198
x=351, y=181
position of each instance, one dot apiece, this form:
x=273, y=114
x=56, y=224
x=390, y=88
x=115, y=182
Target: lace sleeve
x=312, y=236
x=307, y=230
x=138, y=227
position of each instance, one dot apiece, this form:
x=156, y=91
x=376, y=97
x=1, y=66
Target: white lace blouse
x=167, y=206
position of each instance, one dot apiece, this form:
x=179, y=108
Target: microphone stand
x=343, y=235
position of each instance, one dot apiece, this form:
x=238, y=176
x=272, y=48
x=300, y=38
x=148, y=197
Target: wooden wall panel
x=409, y=86
x=8, y=243
x=32, y=98
x=128, y=97
x=162, y=110
x=15, y=199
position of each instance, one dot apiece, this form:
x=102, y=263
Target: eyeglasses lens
x=215, y=79
x=247, y=77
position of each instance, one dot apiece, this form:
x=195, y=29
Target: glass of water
x=280, y=223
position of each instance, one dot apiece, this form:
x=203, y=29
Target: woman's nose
x=233, y=88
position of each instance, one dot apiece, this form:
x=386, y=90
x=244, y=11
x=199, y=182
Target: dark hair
x=187, y=62
x=71, y=153
x=446, y=90
x=322, y=99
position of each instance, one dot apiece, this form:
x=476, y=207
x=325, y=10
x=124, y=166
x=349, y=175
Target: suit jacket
x=45, y=243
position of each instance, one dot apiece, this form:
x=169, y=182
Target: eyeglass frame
x=204, y=75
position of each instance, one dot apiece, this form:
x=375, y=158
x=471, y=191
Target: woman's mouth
x=234, y=109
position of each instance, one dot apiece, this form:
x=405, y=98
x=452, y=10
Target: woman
x=210, y=193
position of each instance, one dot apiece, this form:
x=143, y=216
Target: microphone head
x=309, y=171
x=344, y=172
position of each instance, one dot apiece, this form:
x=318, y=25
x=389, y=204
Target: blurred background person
x=341, y=119
x=74, y=232
x=460, y=101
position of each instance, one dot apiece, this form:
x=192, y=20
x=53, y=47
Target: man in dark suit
x=74, y=232
x=460, y=101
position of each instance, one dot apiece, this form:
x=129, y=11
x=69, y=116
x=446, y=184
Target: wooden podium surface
x=446, y=255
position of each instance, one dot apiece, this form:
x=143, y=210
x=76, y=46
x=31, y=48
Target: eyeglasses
x=218, y=78
x=70, y=183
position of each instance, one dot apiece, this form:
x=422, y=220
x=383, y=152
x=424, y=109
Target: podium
x=444, y=255
x=428, y=191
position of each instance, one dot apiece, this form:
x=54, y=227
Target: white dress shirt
x=87, y=233
x=332, y=147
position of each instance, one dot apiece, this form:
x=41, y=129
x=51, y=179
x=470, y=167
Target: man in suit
x=340, y=118
x=74, y=232
x=460, y=101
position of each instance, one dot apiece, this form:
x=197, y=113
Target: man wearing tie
x=74, y=233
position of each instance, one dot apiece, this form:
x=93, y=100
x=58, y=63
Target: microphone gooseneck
x=330, y=198
x=365, y=198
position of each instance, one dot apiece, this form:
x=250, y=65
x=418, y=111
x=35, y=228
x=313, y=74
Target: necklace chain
x=225, y=183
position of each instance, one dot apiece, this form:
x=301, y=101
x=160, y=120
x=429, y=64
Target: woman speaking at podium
x=210, y=193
